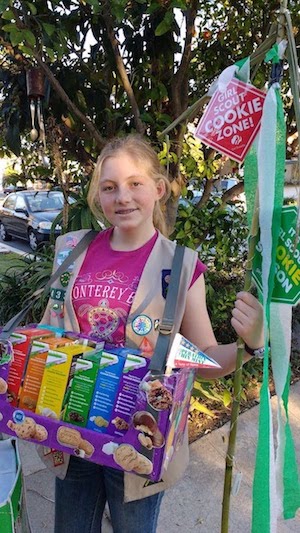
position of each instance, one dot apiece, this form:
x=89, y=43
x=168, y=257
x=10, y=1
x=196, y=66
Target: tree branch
x=70, y=105
x=140, y=126
x=232, y=192
x=180, y=82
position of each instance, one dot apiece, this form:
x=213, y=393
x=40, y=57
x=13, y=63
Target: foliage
x=79, y=215
x=218, y=232
x=8, y=260
x=118, y=66
x=25, y=275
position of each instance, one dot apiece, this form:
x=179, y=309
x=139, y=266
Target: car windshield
x=52, y=201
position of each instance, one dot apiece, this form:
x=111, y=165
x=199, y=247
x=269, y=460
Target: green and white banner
x=276, y=484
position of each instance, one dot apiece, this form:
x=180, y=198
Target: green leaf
x=12, y=138
x=49, y=28
x=180, y=4
x=95, y=4
x=7, y=15
x=202, y=408
x=16, y=37
x=29, y=37
x=9, y=27
x=4, y=4
x=226, y=398
x=50, y=53
x=165, y=24
x=32, y=8
x=26, y=50
x=81, y=100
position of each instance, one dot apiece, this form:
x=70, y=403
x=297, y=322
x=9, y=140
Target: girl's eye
x=136, y=183
x=107, y=188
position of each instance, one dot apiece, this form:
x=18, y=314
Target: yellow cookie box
x=56, y=378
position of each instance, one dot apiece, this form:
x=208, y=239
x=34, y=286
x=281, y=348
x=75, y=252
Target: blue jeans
x=80, y=500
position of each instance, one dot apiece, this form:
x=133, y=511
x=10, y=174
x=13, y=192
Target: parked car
x=29, y=215
x=12, y=188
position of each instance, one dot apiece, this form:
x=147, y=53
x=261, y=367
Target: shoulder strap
x=79, y=248
x=158, y=360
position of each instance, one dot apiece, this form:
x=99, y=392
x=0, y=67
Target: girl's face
x=127, y=194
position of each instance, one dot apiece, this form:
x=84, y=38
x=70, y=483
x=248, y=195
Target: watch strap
x=255, y=352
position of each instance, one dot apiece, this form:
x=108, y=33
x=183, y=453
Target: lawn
x=8, y=260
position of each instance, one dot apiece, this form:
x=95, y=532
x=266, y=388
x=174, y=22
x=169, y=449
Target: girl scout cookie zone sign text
x=287, y=269
x=232, y=119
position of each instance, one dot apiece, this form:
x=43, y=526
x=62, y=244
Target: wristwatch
x=257, y=352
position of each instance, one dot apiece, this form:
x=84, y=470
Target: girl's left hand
x=247, y=319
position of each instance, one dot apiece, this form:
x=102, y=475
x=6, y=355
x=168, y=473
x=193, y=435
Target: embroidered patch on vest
x=65, y=278
x=141, y=325
x=57, y=310
x=71, y=241
x=165, y=280
x=61, y=256
x=146, y=347
x=57, y=294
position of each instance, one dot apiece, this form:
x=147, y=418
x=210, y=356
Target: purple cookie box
x=170, y=422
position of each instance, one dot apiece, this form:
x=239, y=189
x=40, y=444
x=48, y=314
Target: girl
x=110, y=289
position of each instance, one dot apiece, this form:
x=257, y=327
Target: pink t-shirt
x=106, y=285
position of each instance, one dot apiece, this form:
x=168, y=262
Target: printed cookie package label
x=105, y=391
x=134, y=370
x=21, y=340
x=56, y=376
x=80, y=392
x=30, y=388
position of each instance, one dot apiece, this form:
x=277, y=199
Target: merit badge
x=141, y=325
x=146, y=347
x=71, y=241
x=165, y=279
x=65, y=278
x=57, y=294
x=62, y=255
x=57, y=310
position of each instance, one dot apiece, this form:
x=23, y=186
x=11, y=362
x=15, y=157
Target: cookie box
x=147, y=421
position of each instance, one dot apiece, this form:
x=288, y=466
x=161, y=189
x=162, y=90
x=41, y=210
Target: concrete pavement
x=195, y=504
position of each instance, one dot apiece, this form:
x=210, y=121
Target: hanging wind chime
x=35, y=83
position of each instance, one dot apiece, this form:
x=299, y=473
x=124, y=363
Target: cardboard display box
x=135, y=421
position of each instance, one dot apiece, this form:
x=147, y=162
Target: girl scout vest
x=149, y=301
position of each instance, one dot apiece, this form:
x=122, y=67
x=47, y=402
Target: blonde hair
x=141, y=151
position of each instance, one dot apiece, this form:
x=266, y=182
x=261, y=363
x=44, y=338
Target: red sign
x=232, y=119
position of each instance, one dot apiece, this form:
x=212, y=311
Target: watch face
x=259, y=353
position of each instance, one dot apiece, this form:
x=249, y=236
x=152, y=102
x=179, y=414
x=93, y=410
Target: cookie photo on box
x=150, y=436
x=158, y=396
x=68, y=437
x=3, y=386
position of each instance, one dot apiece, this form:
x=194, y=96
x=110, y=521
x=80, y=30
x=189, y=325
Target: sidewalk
x=195, y=504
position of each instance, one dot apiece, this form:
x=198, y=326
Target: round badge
x=65, y=278
x=57, y=310
x=141, y=325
